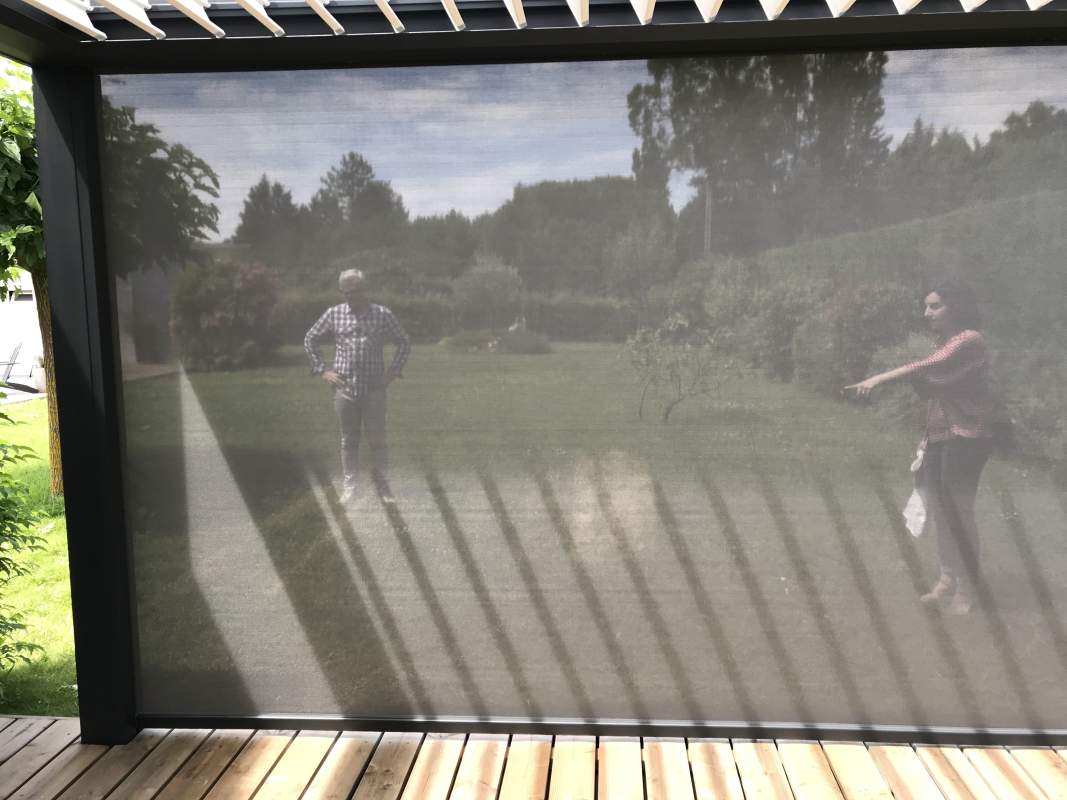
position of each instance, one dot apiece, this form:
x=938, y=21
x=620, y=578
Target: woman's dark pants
x=951, y=470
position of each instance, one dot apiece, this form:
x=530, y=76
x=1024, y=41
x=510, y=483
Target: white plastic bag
x=916, y=517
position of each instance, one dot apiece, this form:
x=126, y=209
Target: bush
x=898, y=404
x=778, y=312
x=524, y=342
x=16, y=519
x=471, y=341
x=487, y=295
x=221, y=315
x=834, y=347
x=580, y=318
x=1033, y=384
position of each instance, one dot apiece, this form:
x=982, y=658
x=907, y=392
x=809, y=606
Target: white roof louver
x=257, y=10
x=319, y=7
x=72, y=12
x=133, y=11
x=138, y=12
x=580, y=10
x=194, y=10
x=387, y=11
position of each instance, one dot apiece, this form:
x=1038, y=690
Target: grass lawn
x=48, y=684
x=552, y=555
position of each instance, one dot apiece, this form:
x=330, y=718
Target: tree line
x=780, y=149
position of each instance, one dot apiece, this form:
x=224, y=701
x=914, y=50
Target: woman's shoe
x=942, y=590
x=961, y=603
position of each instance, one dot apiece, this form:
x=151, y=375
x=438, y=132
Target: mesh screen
x=616, y=416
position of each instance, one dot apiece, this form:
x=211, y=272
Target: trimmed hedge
x=432, y=317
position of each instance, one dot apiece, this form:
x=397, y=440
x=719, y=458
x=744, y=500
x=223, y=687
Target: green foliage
x=471, y=341
x=487, y=295
x=558, y=234
x=897, y=404
x=639, y=258
x=270, y=223
x=221, y=314
x=159, y=194
x=523, y=342
x=21, y=236
x=16, y=520
x=580, y=318
x=779, y=311
x=676, y=357
x=834, y=346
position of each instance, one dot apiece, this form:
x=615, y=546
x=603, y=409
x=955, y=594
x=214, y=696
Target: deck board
x=856, y=772
x=1045, y=767
x=250, y=767
x=481, y=768
x=905, y=772
x=1003, y=774
x=526, y=768
x=51, y=763
x=667, y=774
x=435, y=767
x=620, y=769
x=761, y=771
x=113, y=766
x=343, y=765
x=808, y=771
x=714, y=771
x=388, y=768
x=573, y=773
x=36, y=754
x=197, y=775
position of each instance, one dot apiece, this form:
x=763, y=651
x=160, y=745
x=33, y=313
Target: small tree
x=675, y=356
x=16, y=519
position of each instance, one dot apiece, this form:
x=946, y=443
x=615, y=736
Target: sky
x=462, y=137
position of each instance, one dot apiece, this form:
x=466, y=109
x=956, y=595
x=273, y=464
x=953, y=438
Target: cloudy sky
x=462, y=137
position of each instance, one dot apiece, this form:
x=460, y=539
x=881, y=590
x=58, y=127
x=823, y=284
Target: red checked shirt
x=954, y=381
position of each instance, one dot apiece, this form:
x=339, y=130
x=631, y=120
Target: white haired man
x=360, y=330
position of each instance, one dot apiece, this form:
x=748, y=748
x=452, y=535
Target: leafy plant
x=222, y=315
x=675, y=356
x=16, y=520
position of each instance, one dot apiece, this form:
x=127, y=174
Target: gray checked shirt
x=360, y=340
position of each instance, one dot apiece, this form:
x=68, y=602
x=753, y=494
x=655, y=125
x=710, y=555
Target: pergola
x=71, y=43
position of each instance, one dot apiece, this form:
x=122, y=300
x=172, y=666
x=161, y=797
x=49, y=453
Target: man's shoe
x=387, y=498
x=942, y=590
x=348, y=494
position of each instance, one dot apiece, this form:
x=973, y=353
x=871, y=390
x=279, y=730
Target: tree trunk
x=44, y=319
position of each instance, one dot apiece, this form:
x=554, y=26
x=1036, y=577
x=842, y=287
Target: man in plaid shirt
x=360, y=330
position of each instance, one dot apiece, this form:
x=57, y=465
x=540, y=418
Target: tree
x=353, y=209
x=157, y=210
x=931, y=172
x=270, y=224
x=21, y=234
x=16, y=519
x=558, y=234
x=639, y=258
x=762, y=134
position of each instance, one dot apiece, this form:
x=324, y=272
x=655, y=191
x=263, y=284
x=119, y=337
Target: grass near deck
x=46, y=686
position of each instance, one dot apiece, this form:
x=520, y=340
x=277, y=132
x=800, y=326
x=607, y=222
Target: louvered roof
x=144, y=18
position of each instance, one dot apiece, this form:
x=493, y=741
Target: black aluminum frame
x=67, y=95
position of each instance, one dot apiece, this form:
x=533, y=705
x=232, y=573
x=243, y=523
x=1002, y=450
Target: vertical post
x=67, y=108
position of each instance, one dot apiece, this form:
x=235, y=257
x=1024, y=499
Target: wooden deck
x=42, y=759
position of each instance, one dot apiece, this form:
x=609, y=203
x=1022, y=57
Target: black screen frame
x=67, y=94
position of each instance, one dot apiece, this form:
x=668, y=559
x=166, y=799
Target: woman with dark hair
x=959, y=429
